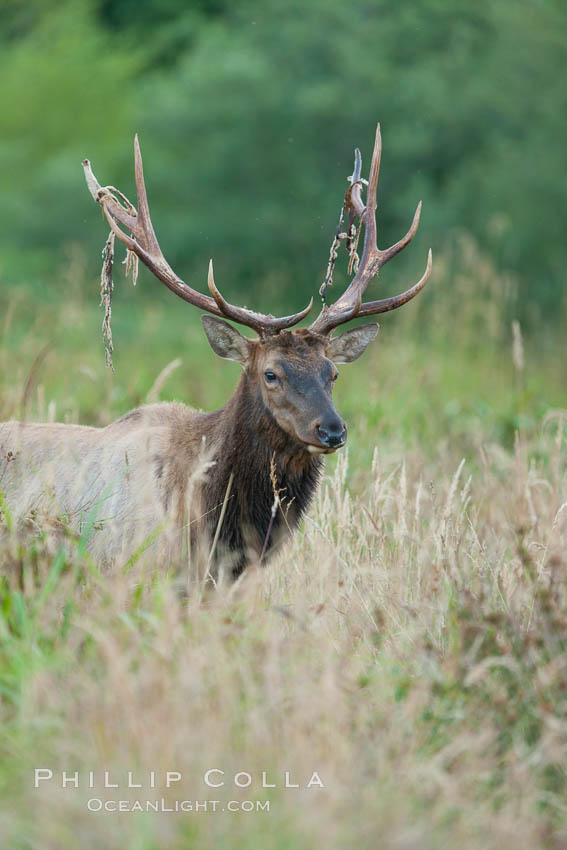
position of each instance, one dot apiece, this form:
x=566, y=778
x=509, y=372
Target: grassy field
x=409, y=645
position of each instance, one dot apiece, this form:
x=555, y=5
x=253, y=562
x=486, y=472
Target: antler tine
x=350, y=305
x=143, y=242
x=353, y=196
x=394, y=249
x=370, y=248
x=246, y=317
x=144, y=221
x=372, y=308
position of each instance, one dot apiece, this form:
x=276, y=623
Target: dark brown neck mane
x=250, y=438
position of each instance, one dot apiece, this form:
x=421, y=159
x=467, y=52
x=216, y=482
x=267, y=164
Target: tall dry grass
x=409, y=645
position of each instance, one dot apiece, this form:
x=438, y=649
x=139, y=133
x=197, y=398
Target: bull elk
x=136, y=476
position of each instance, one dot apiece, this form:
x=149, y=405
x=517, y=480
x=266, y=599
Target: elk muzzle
x=332, y=434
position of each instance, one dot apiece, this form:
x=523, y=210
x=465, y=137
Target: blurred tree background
x=248, y=114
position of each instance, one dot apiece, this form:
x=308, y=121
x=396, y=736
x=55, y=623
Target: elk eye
x=270, y=376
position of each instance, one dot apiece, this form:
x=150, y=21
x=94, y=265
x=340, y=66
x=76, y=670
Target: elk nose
x=332, y=434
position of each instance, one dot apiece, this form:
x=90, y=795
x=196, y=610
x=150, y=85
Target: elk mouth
x=323, y=450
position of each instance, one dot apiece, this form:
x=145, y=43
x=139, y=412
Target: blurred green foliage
x=248, y=115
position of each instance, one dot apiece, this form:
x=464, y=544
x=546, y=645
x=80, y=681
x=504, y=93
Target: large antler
x=143, y=243
x=350, y=304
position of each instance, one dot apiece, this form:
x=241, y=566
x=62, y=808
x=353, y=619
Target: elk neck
x=249, y=441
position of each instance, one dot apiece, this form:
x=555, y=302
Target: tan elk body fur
x=101, y=477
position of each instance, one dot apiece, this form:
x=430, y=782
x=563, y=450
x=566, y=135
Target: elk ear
x=350, y=345
x=225, y=340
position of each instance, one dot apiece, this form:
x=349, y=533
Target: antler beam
x=350, y=305
x=142, y=241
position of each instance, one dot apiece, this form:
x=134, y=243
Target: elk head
x=293, y=372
